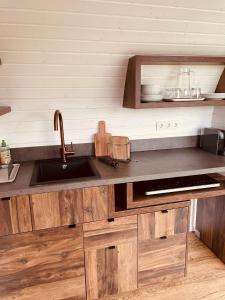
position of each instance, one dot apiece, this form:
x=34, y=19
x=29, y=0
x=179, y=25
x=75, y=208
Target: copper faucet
x=65, y=150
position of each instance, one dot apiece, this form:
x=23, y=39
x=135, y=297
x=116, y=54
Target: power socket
x=167, y=125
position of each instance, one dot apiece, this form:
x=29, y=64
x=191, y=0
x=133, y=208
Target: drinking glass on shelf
x=172, y=93
x=195, y=93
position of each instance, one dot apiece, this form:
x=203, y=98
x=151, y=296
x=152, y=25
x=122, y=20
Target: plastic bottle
x=5, y=156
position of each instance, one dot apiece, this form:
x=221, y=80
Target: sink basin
x=54, y=170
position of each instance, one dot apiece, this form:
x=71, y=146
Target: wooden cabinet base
x=110, y=256
x=48, y=264
x=211, y=224
x=162, y=245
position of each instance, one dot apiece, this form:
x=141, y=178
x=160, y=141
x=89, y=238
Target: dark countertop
x=144, y=166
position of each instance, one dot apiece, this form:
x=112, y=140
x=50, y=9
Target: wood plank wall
x=72, y=55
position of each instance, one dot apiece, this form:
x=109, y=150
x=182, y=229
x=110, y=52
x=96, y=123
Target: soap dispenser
x=5, y=156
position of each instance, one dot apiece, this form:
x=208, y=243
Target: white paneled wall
x=72, y=55
x=218, y=120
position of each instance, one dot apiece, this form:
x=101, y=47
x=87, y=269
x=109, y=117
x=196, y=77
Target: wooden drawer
x=162, y=239
x=69, y=207
x=56, y=209
x=47, y=264
x=15, y=215
x=110, y=256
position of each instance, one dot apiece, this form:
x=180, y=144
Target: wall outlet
x=167, y=125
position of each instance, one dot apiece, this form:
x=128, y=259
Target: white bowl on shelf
x=151, y=98
x=151, y=89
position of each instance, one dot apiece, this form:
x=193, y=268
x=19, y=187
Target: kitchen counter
x=144, y=166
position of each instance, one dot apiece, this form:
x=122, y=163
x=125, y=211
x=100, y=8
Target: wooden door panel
x=111, y=270
x=95, y=203
x=162, y=239
x=110, y=256
x=34, y=264
x=160, y=258
x=57, y=209
x=211, y=224
x=15, y=215
x=23, y=213
x=71, y=207
x=45, y=210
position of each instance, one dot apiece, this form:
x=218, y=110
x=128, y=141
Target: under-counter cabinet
x=211, y=224
x=110, y=256
x=15, y=215
x=162, y=244
x=69, y=207
x=43, y=265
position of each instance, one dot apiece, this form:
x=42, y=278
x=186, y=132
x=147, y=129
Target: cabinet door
x=70, y=207
x=56, y=209
x=211, y=224
x=162, y=238
x=15, y=215
x=95, y=203
x=46, y=264
x=110, y=256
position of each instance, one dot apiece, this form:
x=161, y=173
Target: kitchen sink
x=54, y=170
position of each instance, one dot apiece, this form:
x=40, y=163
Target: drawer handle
x=112, y=247
x=165, y=211
x=164, y=237
x=111, y=220
x=5, y=199
x=72, y=226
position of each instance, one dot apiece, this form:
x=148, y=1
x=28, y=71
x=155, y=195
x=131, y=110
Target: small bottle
x=5, y=156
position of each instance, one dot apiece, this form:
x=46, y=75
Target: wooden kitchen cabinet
x=211, y=224
x=15, y=215
x=46, y=264
x=56, y=209
x=69, y=207
x=110, y=256
x=162, y=239
x=96, y=202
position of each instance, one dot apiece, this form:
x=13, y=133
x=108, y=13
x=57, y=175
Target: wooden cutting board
x=119, y=147
x=101, y=139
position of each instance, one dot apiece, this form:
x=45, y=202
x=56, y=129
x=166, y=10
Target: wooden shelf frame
x=4, y=110
x=132, y=92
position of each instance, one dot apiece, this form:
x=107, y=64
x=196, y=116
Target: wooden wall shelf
x=132, y=92
x=4, y=110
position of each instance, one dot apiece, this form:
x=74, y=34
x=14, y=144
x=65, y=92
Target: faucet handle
x=69, y=148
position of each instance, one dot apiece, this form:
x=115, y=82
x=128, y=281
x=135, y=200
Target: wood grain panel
x=161, y=258
x=162, y=223
x=71, y=207
x=162, y=241
x=23, y=213
x=45, y=210
x=34, y=264
x=15, y=215
x=211, y=224
x=57, y=209
x=95, y=203
x=112, y=267
x=102, y=234
x=5, y=217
